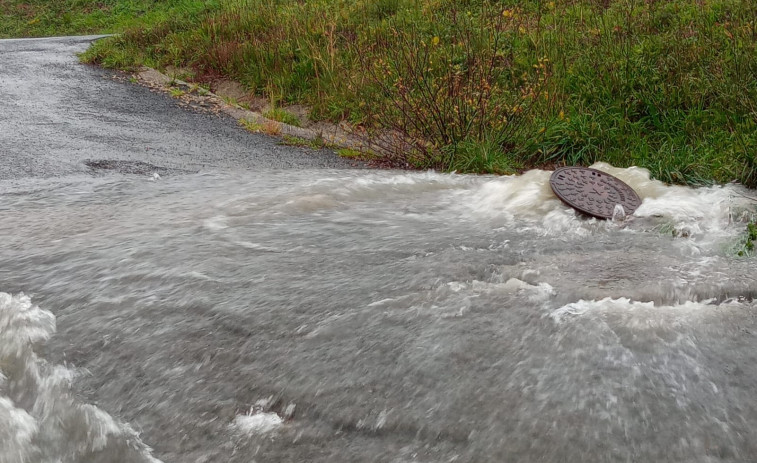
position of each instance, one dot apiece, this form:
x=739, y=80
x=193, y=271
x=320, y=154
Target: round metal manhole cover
x=593, y=192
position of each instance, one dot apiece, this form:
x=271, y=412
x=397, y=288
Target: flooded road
x=252, y=313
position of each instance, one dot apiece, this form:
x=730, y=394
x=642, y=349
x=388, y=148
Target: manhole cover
x=125, y=167
x=131, y=167
x=593, y=192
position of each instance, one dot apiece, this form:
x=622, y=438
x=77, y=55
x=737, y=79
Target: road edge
x=337, y=137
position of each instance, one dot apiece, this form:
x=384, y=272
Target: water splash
x=38, y=410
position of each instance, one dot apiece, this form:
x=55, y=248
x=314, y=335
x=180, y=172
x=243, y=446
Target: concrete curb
x=338, y=138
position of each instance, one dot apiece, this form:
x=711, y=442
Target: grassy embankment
x=46, y=18
x=486, y=86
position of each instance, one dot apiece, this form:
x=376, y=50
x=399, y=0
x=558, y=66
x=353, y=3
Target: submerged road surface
x=234, y=309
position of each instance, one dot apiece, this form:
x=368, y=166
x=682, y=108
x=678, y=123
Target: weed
x=480, y=156
x=267, y=127
x=251, y=125
x=282, y=115
x=349, y=153
x=229, y=100
x=186, y=76
x=176, y=92
x=271, y=128
x=315, y=144
x=364, y=154
x=746, y=247
x=289, y=140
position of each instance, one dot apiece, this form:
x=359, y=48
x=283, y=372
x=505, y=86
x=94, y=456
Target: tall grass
x=488, y=85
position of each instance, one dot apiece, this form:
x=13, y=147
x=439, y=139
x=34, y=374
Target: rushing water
x=371, y=316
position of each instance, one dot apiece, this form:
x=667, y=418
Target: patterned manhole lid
x=593, y=192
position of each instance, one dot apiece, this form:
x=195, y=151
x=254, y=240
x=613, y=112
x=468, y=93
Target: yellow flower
x=507, y=13
x=561, y=115
x=551, y=5
x=435, y=41
x=522, y=29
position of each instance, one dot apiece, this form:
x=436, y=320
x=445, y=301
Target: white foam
x=526, y=195
x=257, y=423
x=537, y=292
x=18, y=429
x=38, y=411
x=527, y=201
x=622, y=304
x=331, y=192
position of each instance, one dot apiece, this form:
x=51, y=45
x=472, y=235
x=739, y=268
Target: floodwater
x=347, y=315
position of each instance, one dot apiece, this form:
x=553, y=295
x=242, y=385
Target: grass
x=349, y=153
x=482, y=86
x=251, y=126
x=200, y=89
x=45, y=18
x=282, y=115
x=268, y=127
x=176, y=92
x=746, y=247
x=316, y=143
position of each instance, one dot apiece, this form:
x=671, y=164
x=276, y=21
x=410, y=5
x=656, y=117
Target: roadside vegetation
x=46, y=18
x=745, y=248
x=484, y=86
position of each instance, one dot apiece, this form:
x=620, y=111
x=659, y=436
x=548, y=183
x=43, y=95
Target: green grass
x=349, y=153
x=746, y=246
x=45, y=18
x=251, y=125
x=177, y=92
x=315, y=144
x=282, y=115
x=486, y=86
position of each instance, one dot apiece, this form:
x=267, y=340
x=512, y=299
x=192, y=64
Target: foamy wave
x=38, y=412
x=335, y=192
x=454, y=299
x=620, y=305
x=528, y=199
x=258, y=423
x=522, y=202
x=18, y=429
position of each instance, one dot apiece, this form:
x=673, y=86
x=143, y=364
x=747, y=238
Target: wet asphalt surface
x=61, y=118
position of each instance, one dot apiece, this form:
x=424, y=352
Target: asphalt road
x=60, y=118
